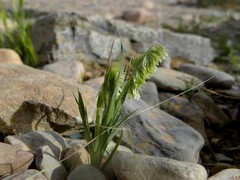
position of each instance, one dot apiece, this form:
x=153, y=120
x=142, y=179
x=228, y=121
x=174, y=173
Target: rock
x=194, y=48
x=172, y=80
x=48, y=163
x=101, y=45
x=219, y=79
x=65, y=36
x=9, y=56
x=214, y=115
x=220, y=167
x=43, y=101
x=134, y=167
x=86, y=172
x=75, y=156
x=58, y=37
x=178, y=106
x=13, y=160
x=68, y=69
x=223, y=158
x=138, y=15
x=157, y=133
x=32, y=174
x=95, y=83
x=226, y=175
x=149, y=93
x=33, y=140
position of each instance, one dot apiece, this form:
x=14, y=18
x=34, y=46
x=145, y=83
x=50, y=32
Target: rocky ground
x=191, y=135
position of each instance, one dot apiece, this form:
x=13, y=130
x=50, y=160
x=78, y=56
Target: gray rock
x=32, y=174
x=33, y=140
x=43, y=101
x=178, y=106
x=13, y=160
x=86, y=172
x=134, y=167
x=68, y=69
x=49, y=164
x=95, y=83
x=219, y=79
x=75, y=156
x=149, y=93
x=157, y=133
x=60, y=36
x=172, y=80
x=64, y=36
x=192, y=47
x=226, y=174
x=214, y=115
x=223, y=158
x=101, y=45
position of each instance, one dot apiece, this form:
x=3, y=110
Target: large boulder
x=32, y=99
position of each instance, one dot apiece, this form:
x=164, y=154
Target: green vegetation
x=120, y=81
x=233, y=4
x=18, y=38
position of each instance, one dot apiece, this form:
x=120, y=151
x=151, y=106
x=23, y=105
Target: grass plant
x=19, y=37
x=121, y=81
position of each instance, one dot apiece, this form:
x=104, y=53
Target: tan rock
x=36, y=100
x=13, y=160
x=75, y=156
x=9, y=56
x=227, y=174
x=30, y=173
x=138, y=15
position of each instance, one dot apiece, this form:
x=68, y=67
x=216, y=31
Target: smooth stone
x=223, y=158
x=157, y=133
x=75, y=156
x=137, y=15
x=13, y=160
x=219, y=79
x=215, y=116
x=49, y=164
x=227, y=174
x=43, y=101
x=134, y=167
x=32, y=174
x=86, y=172
x=95, y=83
x=149, y=93
x=172, y=80
x=220, y=167
x=9, y=56
x=33, y=140
x=73, y=70
x=178, y=106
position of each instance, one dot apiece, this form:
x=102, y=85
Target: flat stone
x=172, y=80
x=9, y=56
x=226, y=174
x=49, y=164
x=33, y=140
x=32, y=174
x=44, y=101
x=13, y=160
x=73, y=70
x=178, y=106
x=134, y=167
x=219, y=79
x=215, y=116
x=86, y=172
x=157, y=133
